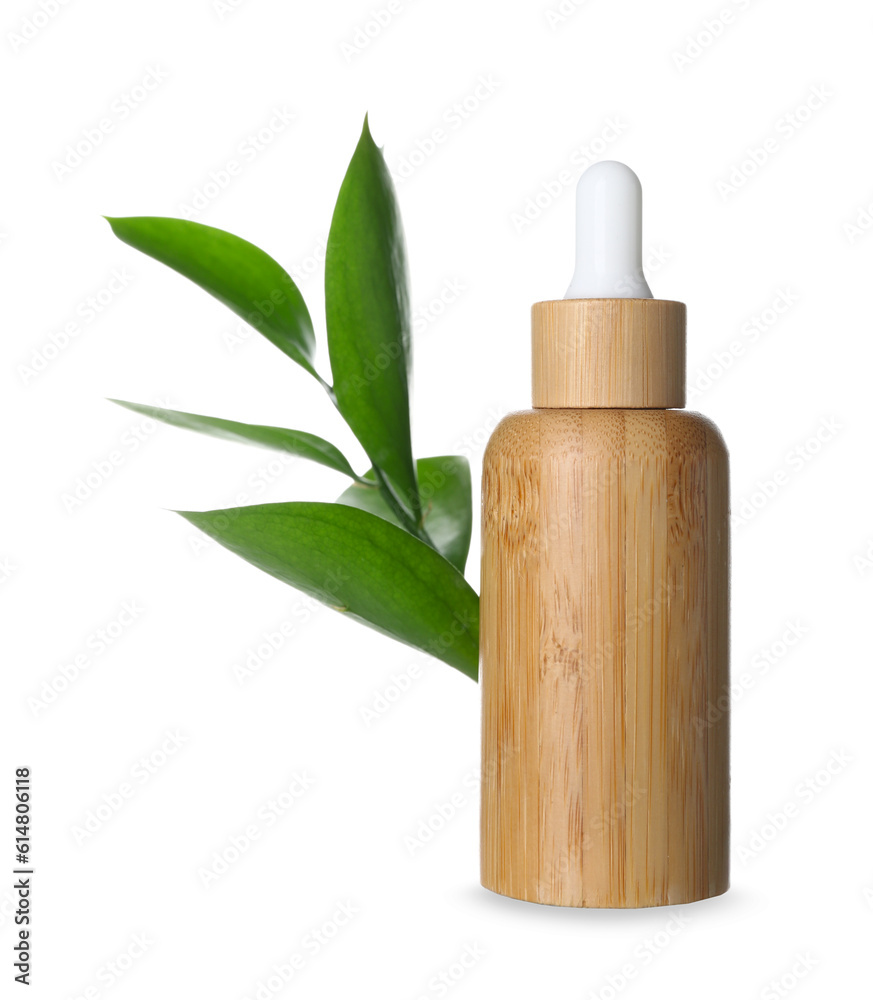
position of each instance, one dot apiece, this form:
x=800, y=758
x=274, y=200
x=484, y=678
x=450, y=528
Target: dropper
x=609, y=235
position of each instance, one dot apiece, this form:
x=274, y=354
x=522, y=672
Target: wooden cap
x=609, y=353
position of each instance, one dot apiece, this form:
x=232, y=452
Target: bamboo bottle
x=604, y=609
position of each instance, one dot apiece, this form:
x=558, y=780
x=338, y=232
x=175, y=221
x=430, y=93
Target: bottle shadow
x=733, y=902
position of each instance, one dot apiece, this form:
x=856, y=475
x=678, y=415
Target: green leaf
x=368, y=321
x=447, y=506
x=362, y=565
x=235, y=271
x=300, y=443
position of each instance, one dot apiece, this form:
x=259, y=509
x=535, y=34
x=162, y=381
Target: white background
x=557, y=86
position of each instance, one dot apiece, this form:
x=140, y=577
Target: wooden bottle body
x=604, y=636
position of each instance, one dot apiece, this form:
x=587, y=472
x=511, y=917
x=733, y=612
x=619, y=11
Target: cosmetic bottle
x=604, y=605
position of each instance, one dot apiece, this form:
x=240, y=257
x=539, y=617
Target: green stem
x=414, y=524
x=328, y=388
x=403, y=515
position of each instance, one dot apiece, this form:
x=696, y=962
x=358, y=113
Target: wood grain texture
x=604, y=635
x=608, y=353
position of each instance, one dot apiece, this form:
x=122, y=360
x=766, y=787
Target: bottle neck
x=608, y=353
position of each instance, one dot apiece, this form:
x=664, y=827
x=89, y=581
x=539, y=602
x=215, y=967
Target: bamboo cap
x=609, y=353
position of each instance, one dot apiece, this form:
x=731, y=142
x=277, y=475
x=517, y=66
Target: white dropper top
x=609, y=235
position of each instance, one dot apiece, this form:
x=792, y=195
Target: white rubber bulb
x=609, y=235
